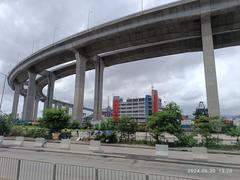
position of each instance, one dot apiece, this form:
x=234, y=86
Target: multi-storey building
x=136, y=108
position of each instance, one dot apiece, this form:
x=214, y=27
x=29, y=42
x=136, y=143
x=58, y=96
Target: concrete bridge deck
x=180, y=27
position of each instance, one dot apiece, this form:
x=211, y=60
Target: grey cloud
x=178, y=78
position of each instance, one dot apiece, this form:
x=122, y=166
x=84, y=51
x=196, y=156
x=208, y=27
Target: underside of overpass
x=184, y=26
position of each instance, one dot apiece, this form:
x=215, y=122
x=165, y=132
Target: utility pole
x=142, y=5
x=3, y=90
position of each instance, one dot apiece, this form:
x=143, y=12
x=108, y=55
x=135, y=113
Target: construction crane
x=201, y=110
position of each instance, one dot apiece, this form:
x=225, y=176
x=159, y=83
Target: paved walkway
x=128, y=152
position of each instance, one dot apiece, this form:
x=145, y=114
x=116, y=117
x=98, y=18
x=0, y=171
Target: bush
x=235, y=132
x=141, y=142
x=142, y=128
x=86, y=125
x=213, y=142
x=40, y=132
x=30, y=131
x=66, y=134
x=104, y=138
x=55, y=119
x=17, y=131
x=111, y=138
x=74, y=125
x=186, y=140
x=5, y=124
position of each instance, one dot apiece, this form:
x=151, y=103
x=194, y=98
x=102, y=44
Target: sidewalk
x=133, y=153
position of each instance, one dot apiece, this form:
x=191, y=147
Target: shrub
x=213, y=142
x=186, y=140
x=142, y=128
x=5, y=124
x=74, y=125
x=86, y=125
x=17, y=131
x=66, y=134
x=106, y=138
x=55, y=119
x=235, y=132
x=40, y=132
x=30, y=131
x=111, y=138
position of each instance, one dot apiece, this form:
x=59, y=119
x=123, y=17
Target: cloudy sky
x=26, y=26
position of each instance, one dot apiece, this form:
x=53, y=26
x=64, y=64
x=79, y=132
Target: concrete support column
x=79, y=86
x=31, y=92
x=98, y=92
x=45, y=104
x=15, y=100
x=36, y=108
x=209, y=61
x=50, y=92
x=24, y=106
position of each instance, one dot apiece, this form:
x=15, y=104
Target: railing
x=17, y=169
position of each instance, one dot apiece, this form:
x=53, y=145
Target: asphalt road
x=129, y=164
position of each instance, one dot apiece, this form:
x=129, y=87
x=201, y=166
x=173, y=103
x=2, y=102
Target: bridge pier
x=31, y=92
x=98, y=91
x=79, y=86
x=36, y=108
x=50, y=92
x=24, y=106
x=15, y=100
x=209, y=61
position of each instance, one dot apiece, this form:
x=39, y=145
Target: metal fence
x=17, y=169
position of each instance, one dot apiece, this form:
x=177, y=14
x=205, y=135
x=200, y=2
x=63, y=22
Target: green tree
x=216, y=125
x=5, y=124
x=203, y=127
x=168, y=120
x=55, y=119
x=235, y=132
x=127, y=127
x=108, y=124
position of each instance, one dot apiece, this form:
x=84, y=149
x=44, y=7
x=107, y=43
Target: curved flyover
x=184, y=26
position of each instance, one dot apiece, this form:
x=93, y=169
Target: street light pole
x=142, y=6
x=4, y=85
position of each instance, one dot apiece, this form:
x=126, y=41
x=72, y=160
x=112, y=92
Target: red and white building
x=136, y=108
